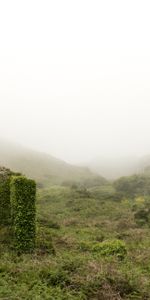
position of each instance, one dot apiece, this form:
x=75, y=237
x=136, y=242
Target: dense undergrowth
x=90, y=245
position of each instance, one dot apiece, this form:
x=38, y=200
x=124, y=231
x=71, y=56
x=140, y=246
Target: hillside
x=113, y=168
x=44, y=168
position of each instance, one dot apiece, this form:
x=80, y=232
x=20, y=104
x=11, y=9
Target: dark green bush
x=142, y=216
x=23, y=194
x=57, y=277
x=133, y=186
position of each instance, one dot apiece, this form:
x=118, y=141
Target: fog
x=75, y=77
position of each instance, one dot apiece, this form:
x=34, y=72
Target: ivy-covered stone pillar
x=22, y=196
x=5, y=206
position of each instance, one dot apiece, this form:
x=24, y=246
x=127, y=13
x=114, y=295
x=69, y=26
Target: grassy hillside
x=93, y=240
x=44, y=168
x=90, y=246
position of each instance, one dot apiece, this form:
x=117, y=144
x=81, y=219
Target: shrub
x=142, y=216
x=57, y=277
x=23, y=193
x=133, y=186
x=112, y=247
x=106, y=192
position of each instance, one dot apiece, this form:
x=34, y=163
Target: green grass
x=78, y=241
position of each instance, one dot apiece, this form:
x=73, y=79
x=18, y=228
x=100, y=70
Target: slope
x=44, y=168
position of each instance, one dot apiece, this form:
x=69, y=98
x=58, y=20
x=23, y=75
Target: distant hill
x=113, y=168
x=144, y=165
x=44, y=168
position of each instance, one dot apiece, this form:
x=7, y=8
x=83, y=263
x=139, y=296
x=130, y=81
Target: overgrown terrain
x=92, y=244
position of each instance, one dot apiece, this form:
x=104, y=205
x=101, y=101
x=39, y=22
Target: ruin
x=17, y=208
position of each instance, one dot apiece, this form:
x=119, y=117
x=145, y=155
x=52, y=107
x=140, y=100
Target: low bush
x=112, y=247
x=57, y=277
x=142, y=216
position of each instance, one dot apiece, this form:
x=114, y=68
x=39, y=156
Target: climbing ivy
x=22, y=196
x=5, y=206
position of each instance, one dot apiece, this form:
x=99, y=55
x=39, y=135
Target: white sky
x=75, y=76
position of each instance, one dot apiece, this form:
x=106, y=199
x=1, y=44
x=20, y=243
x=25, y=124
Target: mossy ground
x=70, y=224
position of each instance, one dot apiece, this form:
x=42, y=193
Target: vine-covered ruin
x=17, y=208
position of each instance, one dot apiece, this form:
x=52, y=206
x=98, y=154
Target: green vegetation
x=22, y=194
x=5, y=205
x=112, y=247
x=133, y=186
x=5, y=208
x=90, y=245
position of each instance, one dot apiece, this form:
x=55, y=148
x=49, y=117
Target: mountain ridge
x=42, y=167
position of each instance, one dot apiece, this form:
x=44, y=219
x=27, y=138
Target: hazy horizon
x=75, y=77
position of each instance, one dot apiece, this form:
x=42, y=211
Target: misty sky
x=75, y=77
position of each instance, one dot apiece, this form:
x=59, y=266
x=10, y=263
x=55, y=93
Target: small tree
x=22, y=196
